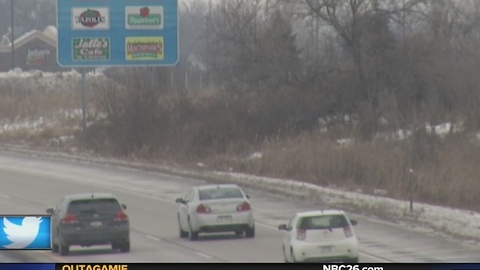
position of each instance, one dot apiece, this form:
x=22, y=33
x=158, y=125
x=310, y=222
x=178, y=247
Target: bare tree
x=233, y=40
x=345, y=18
x=365, y=28
x=34, y=14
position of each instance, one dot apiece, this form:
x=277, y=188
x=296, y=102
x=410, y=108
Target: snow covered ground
x=456, y=221
x=45, y=81
x=461, y=223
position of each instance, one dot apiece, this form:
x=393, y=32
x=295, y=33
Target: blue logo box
x=27, y=266
x=25, y=232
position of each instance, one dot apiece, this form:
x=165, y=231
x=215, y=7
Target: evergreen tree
x=280, y=56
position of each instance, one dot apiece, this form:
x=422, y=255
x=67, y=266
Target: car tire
x=54, y=248
x=63, y=249
x=293, y=256
x=181, y=232
x=192, y=235
x=250, y=232
x=284, y=255
x=116, y=245
x=125, y=247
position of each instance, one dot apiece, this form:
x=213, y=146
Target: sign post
x=84, y=98
x=112, y=33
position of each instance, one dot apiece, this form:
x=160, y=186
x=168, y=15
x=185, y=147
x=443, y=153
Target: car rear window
x=94, y=205
x=220, y=193
x=322, y=222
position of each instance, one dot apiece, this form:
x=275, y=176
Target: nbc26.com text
x=350, y=267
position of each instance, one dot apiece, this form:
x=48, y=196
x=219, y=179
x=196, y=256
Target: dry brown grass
x=314, y=158
x=25, y=110
x=451, y=179
x=213, y=130
x=18, y=135
x=38, y=104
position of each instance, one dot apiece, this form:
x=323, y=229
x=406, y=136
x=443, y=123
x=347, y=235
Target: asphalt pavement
x=29, y=185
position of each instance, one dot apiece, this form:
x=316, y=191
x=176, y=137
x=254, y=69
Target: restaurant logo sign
x=144, y=17
x=91, y=48
x=90, y=18
x=144, y=48
x=37, y=56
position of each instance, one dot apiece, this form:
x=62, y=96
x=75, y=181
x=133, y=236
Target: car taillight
x=301, y=235
x=348, y=231
x=121, y=216
x=243, y=207
x=69, y=219
x=202, y=209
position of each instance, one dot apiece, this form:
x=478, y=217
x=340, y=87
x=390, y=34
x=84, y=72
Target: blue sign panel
x=27, y=266
x=25, y=232
x=117, y=33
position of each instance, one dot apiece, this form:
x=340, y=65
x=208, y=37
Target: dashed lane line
x=153, y=237
x=204, y=255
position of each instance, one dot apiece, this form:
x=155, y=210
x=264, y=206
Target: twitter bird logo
x=25, y=233
x=21, y=235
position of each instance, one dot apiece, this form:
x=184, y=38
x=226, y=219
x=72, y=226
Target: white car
x=320, y=236
x=215, y=208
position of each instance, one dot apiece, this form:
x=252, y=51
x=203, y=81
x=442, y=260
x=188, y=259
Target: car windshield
x=220, y=193
x=322, y=222
x=95, y=205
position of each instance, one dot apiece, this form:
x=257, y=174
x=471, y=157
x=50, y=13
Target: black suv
x=87, y=220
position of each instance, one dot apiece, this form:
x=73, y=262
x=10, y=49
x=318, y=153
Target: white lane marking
x=376, y=257
x=204, y=255
x=50, y=255
x=153, y=237
x=4, y=196
x=266, y=225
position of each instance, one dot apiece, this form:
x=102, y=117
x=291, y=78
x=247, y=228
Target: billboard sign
x=117, y=33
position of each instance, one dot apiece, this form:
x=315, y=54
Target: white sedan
x=320, y=236
x=215, y=208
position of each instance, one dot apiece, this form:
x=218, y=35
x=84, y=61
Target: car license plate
x=96, y=224
x=224, y=218
x=326, y=249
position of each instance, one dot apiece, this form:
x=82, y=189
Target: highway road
x=29, y=185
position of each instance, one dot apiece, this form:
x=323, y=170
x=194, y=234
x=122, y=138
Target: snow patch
x=255, y=155
x=457, y=221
